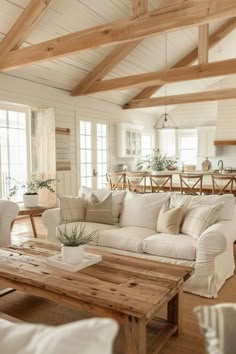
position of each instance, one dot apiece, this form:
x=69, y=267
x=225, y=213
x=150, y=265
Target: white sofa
x=8, y=213
x=211, y=254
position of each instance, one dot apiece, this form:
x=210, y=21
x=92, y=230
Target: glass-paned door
x=13, y=150
x=93, y=154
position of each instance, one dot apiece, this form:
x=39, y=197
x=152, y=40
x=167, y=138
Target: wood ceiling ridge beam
x=23, y=26
x=214, y=95
x=163, y=77
x=222, y=32
x=177, y=16
x=139, y=8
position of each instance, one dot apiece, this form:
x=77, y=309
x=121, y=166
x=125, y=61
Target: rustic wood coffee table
x=130, y=290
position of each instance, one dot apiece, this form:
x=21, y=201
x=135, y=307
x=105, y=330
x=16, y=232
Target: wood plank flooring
x=189, y=341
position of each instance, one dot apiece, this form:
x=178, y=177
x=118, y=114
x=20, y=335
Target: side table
x=32, y=212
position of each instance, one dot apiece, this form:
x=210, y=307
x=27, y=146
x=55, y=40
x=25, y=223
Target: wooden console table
x=32, y=212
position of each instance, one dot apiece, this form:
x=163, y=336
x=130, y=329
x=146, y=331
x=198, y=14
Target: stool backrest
x=190, y=184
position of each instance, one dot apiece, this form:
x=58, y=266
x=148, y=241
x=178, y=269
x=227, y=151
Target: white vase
x=31, y=200
x=72, y=255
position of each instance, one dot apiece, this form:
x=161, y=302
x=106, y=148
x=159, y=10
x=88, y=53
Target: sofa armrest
x=51, y=219
x=8, y=212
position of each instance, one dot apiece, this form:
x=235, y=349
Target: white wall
x=67, y=110
x=209, y=114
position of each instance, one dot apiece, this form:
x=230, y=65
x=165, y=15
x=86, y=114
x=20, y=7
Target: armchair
x=8, y=212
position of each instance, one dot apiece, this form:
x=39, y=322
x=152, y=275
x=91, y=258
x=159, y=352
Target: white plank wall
x=67, y=110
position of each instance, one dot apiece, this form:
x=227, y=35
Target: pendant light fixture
x=165, y=121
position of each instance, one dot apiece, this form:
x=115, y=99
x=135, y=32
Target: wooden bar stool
x=190, y=184
x=116, y=180
x=159, y=182
x=222, y=184
x=136, y=181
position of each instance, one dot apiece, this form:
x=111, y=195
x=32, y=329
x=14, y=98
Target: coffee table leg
x=135, y=335
x=33, y=226
x=174, y=310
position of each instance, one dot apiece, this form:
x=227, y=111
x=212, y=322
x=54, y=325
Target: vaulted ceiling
x=64, y=17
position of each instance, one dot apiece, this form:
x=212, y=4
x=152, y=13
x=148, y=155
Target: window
x=93, y=154
x=187, y=147
x=147, y=144
x=13, y=149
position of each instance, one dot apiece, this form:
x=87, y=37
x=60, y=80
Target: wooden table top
x=126, y=285
x=34, y=210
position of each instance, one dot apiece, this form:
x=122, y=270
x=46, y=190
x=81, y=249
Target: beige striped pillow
x=72, y=208
x=218, y=325
x=198, y=218
x=100, y=211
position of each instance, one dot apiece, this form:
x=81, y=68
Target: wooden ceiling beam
x=177, y=16
x=215, y=95
x=186, y=73
x=203, y=44
x=222, y=32
x=139, y=8
x=23, y=25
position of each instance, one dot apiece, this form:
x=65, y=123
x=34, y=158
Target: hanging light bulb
x=165, y=121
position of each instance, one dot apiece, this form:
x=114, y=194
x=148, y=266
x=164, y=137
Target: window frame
x=186, y=133
x=93, y=145
x=14, y=107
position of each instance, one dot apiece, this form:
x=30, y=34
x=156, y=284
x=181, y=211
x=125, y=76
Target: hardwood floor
x=189, y=341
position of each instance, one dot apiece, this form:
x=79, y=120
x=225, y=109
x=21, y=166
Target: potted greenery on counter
x=155, y=162
x=73, y=242
x=31, y=188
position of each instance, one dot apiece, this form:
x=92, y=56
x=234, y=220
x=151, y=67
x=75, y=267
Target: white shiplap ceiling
x=68, y=16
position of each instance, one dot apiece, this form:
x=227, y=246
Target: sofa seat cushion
x=90, y=226
x=129, y=238
x=172, y=246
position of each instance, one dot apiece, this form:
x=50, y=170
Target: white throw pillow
x=198, y=218
x=72, y=208
x=81, y=337
x=143, y=209
x=117, y=199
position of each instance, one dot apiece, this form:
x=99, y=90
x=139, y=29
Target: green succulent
x=76, y=236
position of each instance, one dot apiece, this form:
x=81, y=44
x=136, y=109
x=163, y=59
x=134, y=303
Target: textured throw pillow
x=169, y=220
x=218, y=324
x=117, y=199
x=72, y=209
x=198, y=218
x=81, y=337
x=143, y=209
x=228, y=201
x=100, y=211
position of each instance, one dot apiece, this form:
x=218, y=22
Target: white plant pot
x=31, y=200
x=72, y=255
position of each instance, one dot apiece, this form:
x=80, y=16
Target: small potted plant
x=155, y=162
x=31, y=188
x=73, y=242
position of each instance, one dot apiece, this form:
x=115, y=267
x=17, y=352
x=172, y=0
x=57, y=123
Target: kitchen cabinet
x=206, y=138
x=129, y=140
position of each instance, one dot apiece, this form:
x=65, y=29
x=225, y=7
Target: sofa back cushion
x=169, y=220
x=198, y=218
x=100, y=211
x=117, y=199
x=72, y=208
x=143, y=209
x=80, y=337
x=226, y=212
